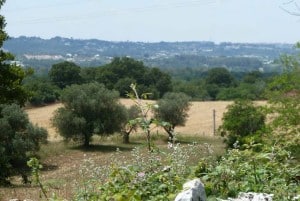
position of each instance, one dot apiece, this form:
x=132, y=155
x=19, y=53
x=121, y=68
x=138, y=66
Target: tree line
x=217, y=83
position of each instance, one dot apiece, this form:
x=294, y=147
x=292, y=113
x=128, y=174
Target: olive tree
x=19, y=139
x=242, y=120
x=131, y=123
x=172, y=111
x=88, y=109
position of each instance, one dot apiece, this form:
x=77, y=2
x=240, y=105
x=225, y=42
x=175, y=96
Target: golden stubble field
x=199, y=122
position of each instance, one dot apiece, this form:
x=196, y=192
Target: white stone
x=192, y=191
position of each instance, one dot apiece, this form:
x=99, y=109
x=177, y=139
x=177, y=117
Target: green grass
x=54, y=149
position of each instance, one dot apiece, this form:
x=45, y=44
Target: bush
x=19, y=140
x=270, y=171
x=42, y=92
x=241, y=123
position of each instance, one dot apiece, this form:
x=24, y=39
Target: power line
x=104, y=13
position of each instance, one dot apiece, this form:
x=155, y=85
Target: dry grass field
x=62, y=161
x=200, y=120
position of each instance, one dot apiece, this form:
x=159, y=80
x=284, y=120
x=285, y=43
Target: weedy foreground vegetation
x=70, y=170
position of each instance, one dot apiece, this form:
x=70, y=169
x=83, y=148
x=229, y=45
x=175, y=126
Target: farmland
x=62, y=161
x=200, y=120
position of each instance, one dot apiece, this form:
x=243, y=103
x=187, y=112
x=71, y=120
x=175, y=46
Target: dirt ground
x=200, y=120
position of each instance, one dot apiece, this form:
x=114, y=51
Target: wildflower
x=141, y=174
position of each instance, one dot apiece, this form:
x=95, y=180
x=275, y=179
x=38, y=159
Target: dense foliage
x=221, y=84
x=42, y=91
x=19, y=140
x=121, y=72
x=64, y=74
x=241, y=123
x=271, y=170
x=88, y=109
x=200, y=84
x=284, y=96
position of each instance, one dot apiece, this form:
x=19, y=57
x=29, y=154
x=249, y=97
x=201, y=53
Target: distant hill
x=42, y=53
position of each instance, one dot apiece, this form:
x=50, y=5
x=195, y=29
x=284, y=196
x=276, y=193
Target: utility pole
x=214, y=121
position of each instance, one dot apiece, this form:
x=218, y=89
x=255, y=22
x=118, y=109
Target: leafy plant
x=35, y=166
x=145, y=120
x=270, y=171
x=284, y=107
x=149, y=176
x=241, y=123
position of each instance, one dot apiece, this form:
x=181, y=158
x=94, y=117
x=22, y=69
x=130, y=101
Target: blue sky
x=155, y=20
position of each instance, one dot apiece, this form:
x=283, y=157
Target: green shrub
x=241, y=123
x=42, y=91
x=270, y=171
x=19, y=140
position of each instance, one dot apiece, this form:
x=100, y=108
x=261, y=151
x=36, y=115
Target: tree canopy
x=220, y=77
x=42, y=91
x=65, y=73
x=121, y=72
x=19, y=140
x=172, y=110
x=11, y=75
x=89, y=109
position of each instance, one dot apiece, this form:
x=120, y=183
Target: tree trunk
x=170, y=131
x=125, y=138
x=86, y=141
x=149, y=140
x=171, y=136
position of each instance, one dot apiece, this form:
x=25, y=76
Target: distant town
x=42, y=53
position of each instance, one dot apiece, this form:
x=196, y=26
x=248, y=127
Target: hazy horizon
x=236, y=21
x=120, y=41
